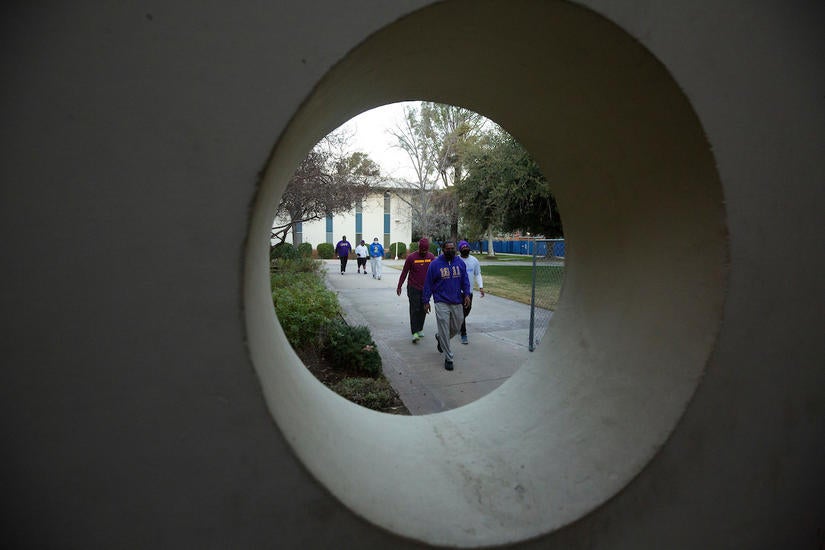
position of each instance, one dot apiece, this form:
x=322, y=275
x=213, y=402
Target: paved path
x=498, y=331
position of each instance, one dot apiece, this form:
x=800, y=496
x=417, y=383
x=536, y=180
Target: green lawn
x=514, y=282
x=501, y=257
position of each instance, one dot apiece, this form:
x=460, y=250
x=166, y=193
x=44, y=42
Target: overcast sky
x=370, y=136
x=369, y=131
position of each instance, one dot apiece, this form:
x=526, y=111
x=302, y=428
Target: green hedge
x=325, y=251
x=402, y=250
x=305, y=250
x=283, y=250
x=303, y=305
x=351, y=348
x=413, y=247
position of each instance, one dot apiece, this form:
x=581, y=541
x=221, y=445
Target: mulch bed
x=328, y=376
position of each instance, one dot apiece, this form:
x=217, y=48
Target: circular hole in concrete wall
x=643, y=293
x=400, y=173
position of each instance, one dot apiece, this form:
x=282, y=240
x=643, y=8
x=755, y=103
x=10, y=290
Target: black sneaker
x=448, y=365
x=438, y=344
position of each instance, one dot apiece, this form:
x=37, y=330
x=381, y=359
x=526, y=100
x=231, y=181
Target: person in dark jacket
x=416, y=266
x=342, y=250
x=448, y=285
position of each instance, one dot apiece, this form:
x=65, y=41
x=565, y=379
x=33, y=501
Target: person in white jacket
x=361, y=254
x=474, y=272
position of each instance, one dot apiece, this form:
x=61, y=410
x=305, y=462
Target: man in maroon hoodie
x=416, y=266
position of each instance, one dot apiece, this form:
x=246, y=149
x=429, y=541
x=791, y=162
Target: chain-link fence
x=548, y=275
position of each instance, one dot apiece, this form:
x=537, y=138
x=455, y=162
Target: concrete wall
x=372, y=223
x=133, y=142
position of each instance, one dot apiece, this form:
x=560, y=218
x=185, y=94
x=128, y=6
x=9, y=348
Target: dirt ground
x=329, y=376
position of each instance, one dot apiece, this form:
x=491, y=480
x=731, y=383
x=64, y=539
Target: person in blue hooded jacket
x=376, y=257
x=448, y=285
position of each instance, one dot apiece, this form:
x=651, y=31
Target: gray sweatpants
x=375, y=265
x=448, y=319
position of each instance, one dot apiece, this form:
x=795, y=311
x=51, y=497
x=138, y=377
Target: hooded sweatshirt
x=446, y=281
x=416, y=265
x=473, y=267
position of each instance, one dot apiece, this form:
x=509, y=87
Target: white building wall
x=372, y=224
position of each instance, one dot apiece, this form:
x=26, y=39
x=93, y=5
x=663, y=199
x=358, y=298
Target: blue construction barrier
x=555, y=247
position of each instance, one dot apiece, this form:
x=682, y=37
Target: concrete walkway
x=497, y=328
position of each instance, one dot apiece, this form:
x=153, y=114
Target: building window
x=359, y=230
x=299, y=232
x=329, y=229
x=387, y=204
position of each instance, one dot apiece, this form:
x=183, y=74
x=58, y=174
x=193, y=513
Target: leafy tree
x=505, y=189
x=453, y=134
x=410, y=137
x=327, y=181
x=437, y=138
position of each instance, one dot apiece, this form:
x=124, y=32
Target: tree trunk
x=454, y=221
x=490, y=251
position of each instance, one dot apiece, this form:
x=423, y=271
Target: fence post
x=531, y=346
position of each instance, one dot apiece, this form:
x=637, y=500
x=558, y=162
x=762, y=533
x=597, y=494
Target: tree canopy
x=437, y=138
x=505, y=189
x=328, y=180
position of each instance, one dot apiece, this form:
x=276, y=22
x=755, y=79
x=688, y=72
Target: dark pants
x=417, y=313
x=466, y=314
x=362, y=262
x=343, y=263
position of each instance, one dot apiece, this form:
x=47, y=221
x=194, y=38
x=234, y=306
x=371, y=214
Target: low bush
x=373, y=393
x=303, y=305
x=325, y=251
x=301, y=264
x=283, y=251
x=400, y=247
x=351, y=348
x=413, y=247
x=305, y=250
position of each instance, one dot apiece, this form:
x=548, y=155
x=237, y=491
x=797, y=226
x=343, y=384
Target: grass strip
x=514, y=282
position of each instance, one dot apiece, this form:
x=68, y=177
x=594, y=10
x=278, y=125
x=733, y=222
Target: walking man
x=361, y=255
x=447, y=283
x=416, y=266
x=342, y=250
x=474, y=273
x=376, y=255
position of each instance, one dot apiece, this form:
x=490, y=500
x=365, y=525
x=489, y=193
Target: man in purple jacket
x=416, y=266
x=448, y=284
x=342, y=250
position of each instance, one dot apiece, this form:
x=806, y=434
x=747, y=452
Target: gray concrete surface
x=134, y=414
x=497, y=329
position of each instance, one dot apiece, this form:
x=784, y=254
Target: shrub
x=326, y=251
x=351, y=348
x=413, y=247
x=373, y=393
x=305, y=250
x=283, y=251
x=303, y=305
x=402, y=250
x=301, y=264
